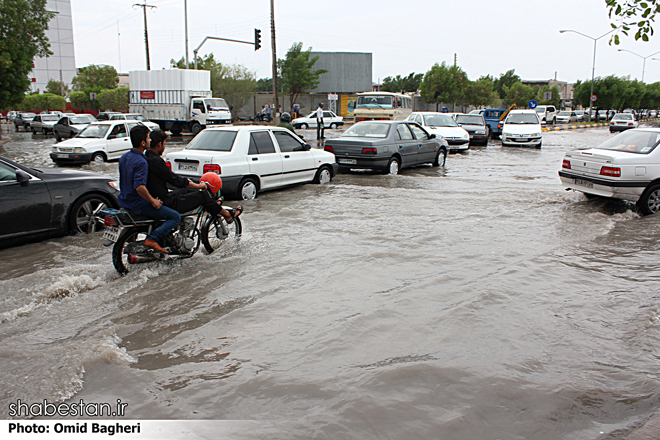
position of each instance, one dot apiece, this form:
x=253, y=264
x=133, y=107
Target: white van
x=547, y=114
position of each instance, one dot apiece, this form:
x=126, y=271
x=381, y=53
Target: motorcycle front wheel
x=216, y=231
x=119, y=259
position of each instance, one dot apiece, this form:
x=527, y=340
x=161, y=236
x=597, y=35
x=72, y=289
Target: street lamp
x=644, y=58
x=593, y=67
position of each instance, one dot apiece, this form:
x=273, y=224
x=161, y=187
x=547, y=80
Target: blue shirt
x=133, y=172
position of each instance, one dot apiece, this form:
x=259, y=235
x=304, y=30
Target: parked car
x=99, y=142
x=22, y=120
x=441, y=124
x=11, y=115
x=476, y=126
x=522, y=128
x=252, y=158
x=387, y=146
x=43, y=123
x=566, y=117
x=329, y=120
x=493, y=118
x=547, y=114
x=105, y=116
x=625, y=166
x=69, y=126
x=623, y=121
x=37, y=203
x=134, y=117
x=582, y=115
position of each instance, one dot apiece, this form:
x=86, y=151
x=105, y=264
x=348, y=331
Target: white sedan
x=135, y=117
x=622, y=122
x=441, y=124
x=329, y=120
x=522, y=128
x=626, y=166
x=253, y=158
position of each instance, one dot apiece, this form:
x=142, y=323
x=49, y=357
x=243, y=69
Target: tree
x=505, y=80
x=296, y=72
x=23, y=24
x=104, y=77
x=519, y=94
x=42, y=102
x=480, y=93
x=57, y=88
x=443, y=84
x=114, y=100
x=266, y=84
x=235, y=83
x=410, y=83
x=627, y=14
x=554, y=98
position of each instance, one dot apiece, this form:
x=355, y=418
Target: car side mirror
x=307, y=147
x=112, y=136
x=22, y=177
x=432, y=136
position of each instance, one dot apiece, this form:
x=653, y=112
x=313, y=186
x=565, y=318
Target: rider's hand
x=157, y=203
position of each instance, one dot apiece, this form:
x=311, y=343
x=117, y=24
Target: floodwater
x=475, y=301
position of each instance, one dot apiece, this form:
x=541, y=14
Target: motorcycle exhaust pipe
x=135, y=259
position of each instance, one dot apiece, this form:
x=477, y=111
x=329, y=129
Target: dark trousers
x=319, y=130
x=184, y=200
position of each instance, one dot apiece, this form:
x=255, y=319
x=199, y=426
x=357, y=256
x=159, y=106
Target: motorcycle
x=126, y=233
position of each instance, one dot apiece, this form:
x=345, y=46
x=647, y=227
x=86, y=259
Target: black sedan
x=47, y=202
x=476, y=126
x=386, y=146
x=23, y=121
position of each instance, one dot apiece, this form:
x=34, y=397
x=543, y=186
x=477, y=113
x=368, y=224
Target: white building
x=61, y=65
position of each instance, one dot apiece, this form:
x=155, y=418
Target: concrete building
x=348, y=72
x=565, y=89
x=61, y=65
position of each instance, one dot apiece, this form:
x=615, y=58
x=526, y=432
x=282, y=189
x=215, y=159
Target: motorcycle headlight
x=79, y=150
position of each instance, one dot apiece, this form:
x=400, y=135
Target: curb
x=585, y=126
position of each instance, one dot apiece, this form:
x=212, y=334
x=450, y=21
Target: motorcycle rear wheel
x=119, y=259
x=213, y=235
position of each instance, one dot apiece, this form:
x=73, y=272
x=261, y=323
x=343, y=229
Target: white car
x=99, y=142
x=626, y=166
x=329, y=120
x=522, y=128
x=253, y=158
x=547, y=114
x=135, y=117
x=623, y=121
x=43, y=123
x=566, y=117
x=441, y=124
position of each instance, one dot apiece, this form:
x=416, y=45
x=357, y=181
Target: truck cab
x=210, y=111
x=493, y=117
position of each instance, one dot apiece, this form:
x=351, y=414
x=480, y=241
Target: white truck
x=177, y=100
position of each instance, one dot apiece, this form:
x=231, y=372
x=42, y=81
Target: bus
x=387, y=106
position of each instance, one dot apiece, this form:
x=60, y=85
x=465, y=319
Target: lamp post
x=644, y=58
x=593, y=66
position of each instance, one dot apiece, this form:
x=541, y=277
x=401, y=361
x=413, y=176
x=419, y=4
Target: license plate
x=583, y=183
x=111, y=233
x=184, y=167
x=522, y=139
x=348, y=161
x=62, y=155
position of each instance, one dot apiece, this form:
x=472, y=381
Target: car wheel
x=304, y=126
x=392, y=166
x=82, y=217
x=323, y=176
x=98, y=157
x=33, y=131
x=440, y=158
x=333, y=126
x=58, y=138
x=247, y=190
x=649, y=203
x=196, y=128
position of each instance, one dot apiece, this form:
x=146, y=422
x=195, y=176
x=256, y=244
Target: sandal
x=235, y=213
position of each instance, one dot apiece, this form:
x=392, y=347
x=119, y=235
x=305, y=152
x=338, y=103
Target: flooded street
x=475, y=301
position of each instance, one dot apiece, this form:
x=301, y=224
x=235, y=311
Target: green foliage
x=618, y=93
x=481, y=93
x=410, y=83
x=45, y=102
x=505, y=80
x=636, y=16
x=57, y=88
x=444, y=84
x=296, y=72
x=265, y=84
x=519, y=94
x=104, y=77
x=554, y=100
x=79, y=101
x=113, y=100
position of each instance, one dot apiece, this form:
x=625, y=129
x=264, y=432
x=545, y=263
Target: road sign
x=547, y=95
x=532, y=104
x=92, y=96
x=594, y=98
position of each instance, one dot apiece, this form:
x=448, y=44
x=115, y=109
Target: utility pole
x=272, y=37
x=146, y=34
x=454, y=60
x=185, y=15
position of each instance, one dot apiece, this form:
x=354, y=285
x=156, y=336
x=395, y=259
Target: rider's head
x=140, y=136
x=285, y=117
x=213, y=182
x=158, y=138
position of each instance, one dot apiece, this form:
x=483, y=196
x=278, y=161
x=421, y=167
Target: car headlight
x=535, y=135
x=506, y=134
x=54, y=149
x=466, y=136
x=114, y=184
x=79, y=150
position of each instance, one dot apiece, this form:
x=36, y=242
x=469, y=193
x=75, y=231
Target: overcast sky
x=488, y=37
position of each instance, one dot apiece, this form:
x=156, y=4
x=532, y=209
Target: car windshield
x=564, y=114
x=469, y=119
x=540, y=109
x=213, y=140
x=137, y=117
x=374, y=101
x=522, y=118
x=50, y=118
x=439, y=120
x=94, y=131
x=28, y=115
x=625, y=117
x=632, y=141
x=216, y=104
x=367, y=129
x=80, y=120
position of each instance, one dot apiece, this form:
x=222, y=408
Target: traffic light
x=257, y=39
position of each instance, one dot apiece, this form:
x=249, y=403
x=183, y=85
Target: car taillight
x=369, y=151
x=611, y=123
x=212, y=168
x=630, y=123
x=566, y=164
x=169, y=164
x=328, y=148
x=610, y=171
x=109, y=221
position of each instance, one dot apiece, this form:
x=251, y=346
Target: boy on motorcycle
x=134, y=195
x=188, y=196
